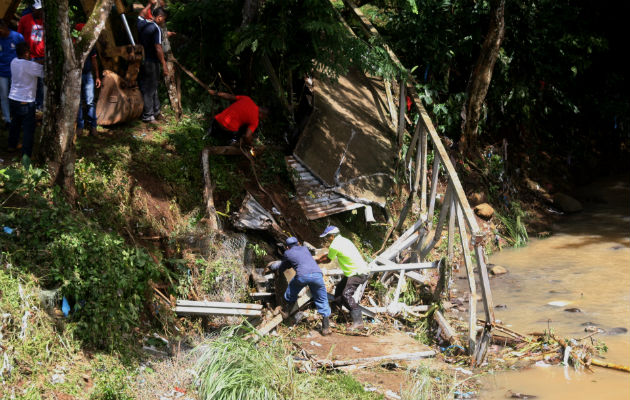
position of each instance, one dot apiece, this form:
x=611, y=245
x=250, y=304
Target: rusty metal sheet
x=317, y=200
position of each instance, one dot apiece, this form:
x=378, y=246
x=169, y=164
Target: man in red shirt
x=31, y=26
x=239, y=120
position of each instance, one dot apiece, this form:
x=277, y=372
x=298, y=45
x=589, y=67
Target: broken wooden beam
x=208, y=191
x=392, y=357
x=448, y=333
x=189, y=307
x=384, y=268
x=261, y=295
x=421, y=308
x=218, y=304
x=188, y=310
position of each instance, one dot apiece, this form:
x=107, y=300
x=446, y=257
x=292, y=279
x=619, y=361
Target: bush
x=104, y=279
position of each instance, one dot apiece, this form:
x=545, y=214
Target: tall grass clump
x=515, y=229
x=232, y=368
x=432, y=384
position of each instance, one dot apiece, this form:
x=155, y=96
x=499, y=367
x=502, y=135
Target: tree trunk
x=482, y=75
x=64, y=62
x=170, y=80
x=249, y=11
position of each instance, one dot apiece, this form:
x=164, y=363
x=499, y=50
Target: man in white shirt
x=24, y=74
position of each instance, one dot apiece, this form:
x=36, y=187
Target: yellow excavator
x=120, y=99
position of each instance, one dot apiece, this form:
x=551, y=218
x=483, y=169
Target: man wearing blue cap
x=307, y=273
x=355, y=271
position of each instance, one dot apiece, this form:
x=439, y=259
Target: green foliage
x=113, y=382
x=230, y=368
x=513, y=225
x=104, y=279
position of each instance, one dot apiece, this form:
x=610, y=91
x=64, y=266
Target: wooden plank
x=423, y=170
x=416, y=276
x=485, y=283
x=451, y=229
x=383, y=268
x=390, y=103
x=257, y=295
x=438, y=229
x=392, y=357
x=434, y=184
x=183, y=310
x=401, y=114
x=217, y=304
x=401, y=282
x=472, y=307
x=208, y=189
x=421, y=308
x=448, y=333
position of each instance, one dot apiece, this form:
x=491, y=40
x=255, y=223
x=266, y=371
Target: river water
x=586, y=263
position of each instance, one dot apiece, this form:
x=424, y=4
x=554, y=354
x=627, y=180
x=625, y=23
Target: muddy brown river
x=585, y=264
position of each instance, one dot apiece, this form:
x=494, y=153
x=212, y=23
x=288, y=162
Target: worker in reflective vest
x=354, y=267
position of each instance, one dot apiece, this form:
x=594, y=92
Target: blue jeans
x=87, y=100
x=23, y=119
x=5, y=83
x=315, y=282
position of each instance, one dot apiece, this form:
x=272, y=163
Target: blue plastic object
x=65, y=307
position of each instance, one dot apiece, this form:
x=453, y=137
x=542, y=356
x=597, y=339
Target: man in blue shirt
x=8, y=40
x=150, y=37
x=307, y=273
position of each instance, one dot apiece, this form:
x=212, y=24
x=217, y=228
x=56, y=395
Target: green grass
x=231, y=368
x=46, y=347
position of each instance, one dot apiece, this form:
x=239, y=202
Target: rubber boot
x=325, y=326
x=357, y=319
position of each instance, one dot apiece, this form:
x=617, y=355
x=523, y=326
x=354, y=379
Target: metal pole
x=124, y=20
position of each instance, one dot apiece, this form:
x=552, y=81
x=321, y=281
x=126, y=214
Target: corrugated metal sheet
x=316, y=200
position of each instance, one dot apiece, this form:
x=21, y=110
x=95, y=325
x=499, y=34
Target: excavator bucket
x=116, y=102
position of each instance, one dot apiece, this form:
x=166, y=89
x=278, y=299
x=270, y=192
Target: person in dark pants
x=90, y=79
x=150, y=36
x=307, y=273
x=24, y=74
x=354, y=268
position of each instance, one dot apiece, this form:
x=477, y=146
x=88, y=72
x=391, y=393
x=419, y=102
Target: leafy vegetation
x=104, y=280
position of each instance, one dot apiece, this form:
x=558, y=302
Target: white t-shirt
x=24, y=74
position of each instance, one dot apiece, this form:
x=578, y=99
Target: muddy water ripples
x=575, y=282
